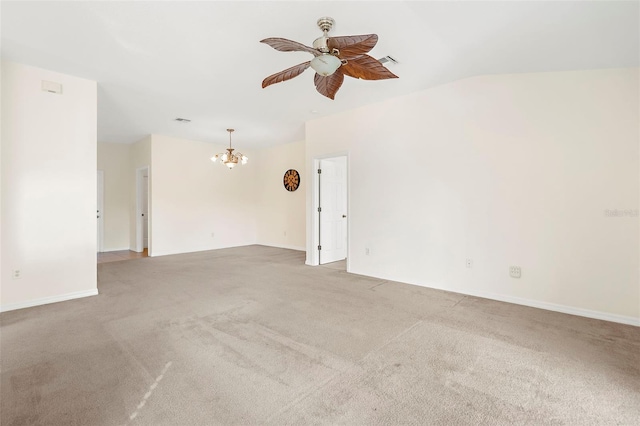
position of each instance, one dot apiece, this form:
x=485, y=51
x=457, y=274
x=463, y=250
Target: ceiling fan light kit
x=229, y=158
x=334, y=57
x=325, y=64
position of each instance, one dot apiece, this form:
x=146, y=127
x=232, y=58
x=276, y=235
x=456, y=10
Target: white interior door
x=145, y=210
x=333, y=209
x=100, y=212
x=142, y=209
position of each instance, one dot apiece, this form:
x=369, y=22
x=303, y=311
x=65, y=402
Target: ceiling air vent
x=182, y=120
x=388, y=59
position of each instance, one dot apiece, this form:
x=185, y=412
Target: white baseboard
x=47, y=300
x=288, y=247
x=157, y=253
x=169, y=253
x=115, y=249
x=571, y=310
x=605, y=316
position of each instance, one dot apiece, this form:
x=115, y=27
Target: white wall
x=114, y=159
x=48, y=187
x=505, y=170
x=193, y=198
x=268, y=214
x=280, y=213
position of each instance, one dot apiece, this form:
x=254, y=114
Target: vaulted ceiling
x=155, y=61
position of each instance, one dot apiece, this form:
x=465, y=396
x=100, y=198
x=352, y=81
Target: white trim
x=313, y=233
x=139, y=242
x=117, y=249
x=313, y=259
x=548, y=306
x=101, y=209
x=47, y=300
x=171, y=253
x=605, y=316
x=284, y=246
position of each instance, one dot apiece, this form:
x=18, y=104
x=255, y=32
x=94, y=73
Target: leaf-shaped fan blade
x=353, y=46
x=285, y=45
x=329, y=85
x=366, y=68
x=285, y=75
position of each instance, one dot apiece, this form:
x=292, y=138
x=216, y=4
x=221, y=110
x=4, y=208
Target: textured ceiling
x=155, y=61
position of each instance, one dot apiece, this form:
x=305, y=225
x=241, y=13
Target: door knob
x=344, y=215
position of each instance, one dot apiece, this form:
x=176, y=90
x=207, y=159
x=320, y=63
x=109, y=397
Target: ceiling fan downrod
x=325, y=24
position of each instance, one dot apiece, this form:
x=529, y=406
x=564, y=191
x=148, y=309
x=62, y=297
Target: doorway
x=142, y=210
x=331, y=207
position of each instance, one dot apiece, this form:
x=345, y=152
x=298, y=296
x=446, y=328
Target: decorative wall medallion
x=291, y=180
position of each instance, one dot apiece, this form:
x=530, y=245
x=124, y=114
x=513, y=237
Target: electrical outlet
x=16, y=274
x=469, y=263
x=515, y=271
x=367, y=251
x=213, y=234
x=285, y=233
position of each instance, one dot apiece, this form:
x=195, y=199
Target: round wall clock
x=291, y=180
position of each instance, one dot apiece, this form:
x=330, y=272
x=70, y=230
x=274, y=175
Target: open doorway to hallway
x=107, y=210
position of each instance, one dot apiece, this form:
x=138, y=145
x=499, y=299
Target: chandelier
x=228, y=158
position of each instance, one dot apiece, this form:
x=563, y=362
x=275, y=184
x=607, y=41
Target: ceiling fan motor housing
x=320, y=44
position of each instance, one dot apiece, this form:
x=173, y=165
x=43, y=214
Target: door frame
x=139, y=202
x=313, y=221
x=100, y=208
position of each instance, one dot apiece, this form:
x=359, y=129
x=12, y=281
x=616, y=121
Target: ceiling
x=155, y=61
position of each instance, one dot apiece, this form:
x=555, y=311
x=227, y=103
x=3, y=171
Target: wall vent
x=52, y=87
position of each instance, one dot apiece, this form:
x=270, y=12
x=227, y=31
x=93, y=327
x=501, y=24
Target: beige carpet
x=252, y=336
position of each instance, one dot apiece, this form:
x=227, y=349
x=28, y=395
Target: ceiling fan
x=334, y=57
